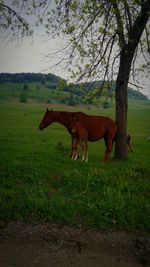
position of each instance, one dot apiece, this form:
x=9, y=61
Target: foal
x=80, y=136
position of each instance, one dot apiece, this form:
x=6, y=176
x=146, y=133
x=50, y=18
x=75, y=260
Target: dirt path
x=49, y=245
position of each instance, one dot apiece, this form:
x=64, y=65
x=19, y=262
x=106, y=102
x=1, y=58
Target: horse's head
x=47, y=119
x=74, y=125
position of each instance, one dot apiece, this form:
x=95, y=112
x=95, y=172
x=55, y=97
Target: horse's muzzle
x=41, y=128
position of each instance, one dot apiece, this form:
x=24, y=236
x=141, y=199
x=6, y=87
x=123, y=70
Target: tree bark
x=121, y=151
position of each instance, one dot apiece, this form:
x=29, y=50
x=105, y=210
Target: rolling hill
x=51, y=88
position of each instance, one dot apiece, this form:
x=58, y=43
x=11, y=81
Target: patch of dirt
x=51, y=245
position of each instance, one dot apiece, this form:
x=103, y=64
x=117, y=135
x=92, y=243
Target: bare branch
x=136, y=85
x=120, y=30
x=14, y=13
x=129, y=19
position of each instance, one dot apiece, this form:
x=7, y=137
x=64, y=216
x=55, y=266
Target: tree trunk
x=126, y=58
x=122, y=105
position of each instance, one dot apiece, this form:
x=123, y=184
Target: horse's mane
x=69, y=115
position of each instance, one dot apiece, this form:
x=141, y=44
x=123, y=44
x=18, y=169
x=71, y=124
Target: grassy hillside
x=38, y=87
x=39, y=181
x=36, y=92
x=43, y=93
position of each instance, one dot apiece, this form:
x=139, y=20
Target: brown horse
x=80, y=136
x=97, y=126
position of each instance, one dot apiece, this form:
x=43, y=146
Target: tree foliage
x=12, y=22
x=98, y=32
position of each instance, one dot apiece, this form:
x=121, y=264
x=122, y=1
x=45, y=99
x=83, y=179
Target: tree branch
x=138, y=26
x=127, y=10
x=14, y=13
x=120, y=30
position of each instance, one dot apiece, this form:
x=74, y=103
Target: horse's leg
x=73, y=148
x=86, y=146
x=72, y=144
x=76, y=149
x=108, y=142
x=82, y=148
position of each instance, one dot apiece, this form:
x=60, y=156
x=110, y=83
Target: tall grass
x=39, y=181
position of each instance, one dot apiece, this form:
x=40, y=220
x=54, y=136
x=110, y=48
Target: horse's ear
x=47, y=110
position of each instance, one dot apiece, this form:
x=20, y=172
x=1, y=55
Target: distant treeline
x=28, y=77
x=83, y=89
x=52, y=81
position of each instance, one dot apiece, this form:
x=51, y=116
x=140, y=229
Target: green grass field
x=39, y=181
x=36, y=92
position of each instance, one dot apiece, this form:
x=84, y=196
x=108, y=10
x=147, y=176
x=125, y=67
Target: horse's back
x=98, y=126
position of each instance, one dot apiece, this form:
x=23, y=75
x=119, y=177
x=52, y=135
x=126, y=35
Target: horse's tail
x=114, y=139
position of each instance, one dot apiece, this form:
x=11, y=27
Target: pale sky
x=30, y=56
